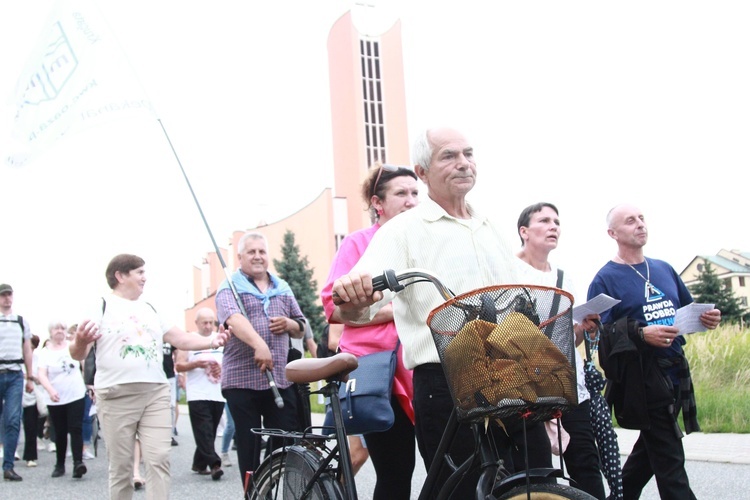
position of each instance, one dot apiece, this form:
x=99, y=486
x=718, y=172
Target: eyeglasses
x=385, y=166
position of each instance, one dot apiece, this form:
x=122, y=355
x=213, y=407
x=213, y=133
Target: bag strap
x=23, y=330
x=555, y=305
x=104, y=308
x=19, y=320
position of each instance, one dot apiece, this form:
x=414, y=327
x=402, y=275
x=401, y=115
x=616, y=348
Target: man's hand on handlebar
x=353, y=293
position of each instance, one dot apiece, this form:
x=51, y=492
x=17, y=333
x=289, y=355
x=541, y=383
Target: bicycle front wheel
x=545, y=491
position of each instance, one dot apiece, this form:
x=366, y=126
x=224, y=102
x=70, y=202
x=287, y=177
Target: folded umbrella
x=601, y=422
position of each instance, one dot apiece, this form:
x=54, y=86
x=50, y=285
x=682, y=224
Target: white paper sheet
x=597, y=305
x=687, y=318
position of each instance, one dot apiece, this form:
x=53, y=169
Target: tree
x=710, y=289
x=295, y=270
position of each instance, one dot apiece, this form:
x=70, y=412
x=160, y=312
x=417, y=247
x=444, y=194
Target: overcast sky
x=583, y=104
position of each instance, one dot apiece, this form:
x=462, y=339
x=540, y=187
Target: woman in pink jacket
x=387, y=191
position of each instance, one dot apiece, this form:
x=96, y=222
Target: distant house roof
x=730, y=265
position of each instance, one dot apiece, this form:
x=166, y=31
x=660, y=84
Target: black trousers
x=30, y=424
x=204, y=420
x=392, y=454
x=253, y=409
x=432, y=408
x=68, y=419
x=658, y=452
x=582, y=456
x=303, y=405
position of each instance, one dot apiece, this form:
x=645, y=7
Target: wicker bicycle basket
x=504, y=357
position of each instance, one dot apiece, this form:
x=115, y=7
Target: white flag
x=77, y=76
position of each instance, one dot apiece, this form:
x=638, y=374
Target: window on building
x=741, y=280
x=700, y=268
x=374, y=128
x=338, y=239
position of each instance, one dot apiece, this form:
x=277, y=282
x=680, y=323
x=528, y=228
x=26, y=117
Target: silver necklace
x=646, y=278
x=651, y=291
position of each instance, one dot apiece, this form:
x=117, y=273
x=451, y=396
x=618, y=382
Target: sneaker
x=87, y=455
x=51, y=448
x=58, y=471
x=30, y=463
x=225, y=460
x=40, y=444
x=79, y=469
x=174, y=442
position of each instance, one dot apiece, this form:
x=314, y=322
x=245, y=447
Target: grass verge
x=720, y=368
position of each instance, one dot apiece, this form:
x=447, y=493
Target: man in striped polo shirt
x=15, y=350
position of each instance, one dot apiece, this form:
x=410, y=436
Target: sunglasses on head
x=387, y=167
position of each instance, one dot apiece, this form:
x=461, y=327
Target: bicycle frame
x=484, y=458
x=492, y=473
x=344, y=476
x=331, y=390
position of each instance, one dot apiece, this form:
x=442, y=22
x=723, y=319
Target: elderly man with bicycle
x=446, y=235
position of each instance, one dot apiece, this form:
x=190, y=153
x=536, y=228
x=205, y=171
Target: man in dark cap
x=15, y=351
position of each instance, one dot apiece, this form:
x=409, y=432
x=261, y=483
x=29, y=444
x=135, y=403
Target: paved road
x=719, y=467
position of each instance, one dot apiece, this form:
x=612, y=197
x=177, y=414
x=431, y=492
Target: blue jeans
x=87, y=429
x=226, y=440
x=11, y=394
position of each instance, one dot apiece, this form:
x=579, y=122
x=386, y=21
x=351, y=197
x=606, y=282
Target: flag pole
x=277, y=397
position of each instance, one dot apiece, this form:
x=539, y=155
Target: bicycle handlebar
x=395, y=282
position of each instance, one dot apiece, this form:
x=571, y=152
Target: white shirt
x=130, y=348
x=11, y=340
x=64, y=374
x=463, y=254
x=532, y=276
x=198, y=385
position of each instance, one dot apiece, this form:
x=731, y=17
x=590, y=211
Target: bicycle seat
x=307, y=370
